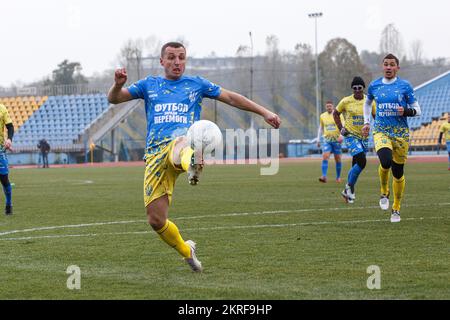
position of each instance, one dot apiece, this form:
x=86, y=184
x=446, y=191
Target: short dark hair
x=391, y=56
x=329, y=102
x=358, y=81
x=172, y=45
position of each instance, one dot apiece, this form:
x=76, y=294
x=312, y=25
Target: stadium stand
x=21, y=108
x=60, y=119
x=434, y=99
x=428, y=134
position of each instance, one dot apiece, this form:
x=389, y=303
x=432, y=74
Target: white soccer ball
x=204, y=135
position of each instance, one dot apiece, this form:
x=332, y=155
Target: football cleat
x=194, y=171
x=395, y=216
x=338, y=180
x=323, y=179
x=384, y=202
x=8, y=210
x=193, y=262
x=349, y=197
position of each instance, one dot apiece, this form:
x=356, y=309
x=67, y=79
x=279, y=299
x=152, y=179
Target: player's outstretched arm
x=118, y=94
x=8, y=141
x=440, y=138
x=239, y=101
x=367, y=112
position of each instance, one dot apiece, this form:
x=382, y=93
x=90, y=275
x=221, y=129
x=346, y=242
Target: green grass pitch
x=259, y=237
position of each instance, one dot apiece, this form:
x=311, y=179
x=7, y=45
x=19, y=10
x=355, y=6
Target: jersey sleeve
x=370, y=95
x=409, y=94
x=7, y=118
x=209, y=89
x=137, y=89
x=341, y=106
x=5, y=114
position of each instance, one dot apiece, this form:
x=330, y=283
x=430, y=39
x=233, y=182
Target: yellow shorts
x=160, y=174
x=399, y=146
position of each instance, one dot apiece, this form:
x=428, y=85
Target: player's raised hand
x=365, y=130
x=272, y=119
x=120, y=76
x=8, y=144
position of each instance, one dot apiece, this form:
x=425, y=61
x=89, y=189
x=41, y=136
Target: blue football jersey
x=388, y=98
x=171, y=106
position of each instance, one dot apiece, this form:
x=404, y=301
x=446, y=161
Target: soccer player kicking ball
x=445, y=129
x=352, y=108
x=395, y=102
x=172, y=104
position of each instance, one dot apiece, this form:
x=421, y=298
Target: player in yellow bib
x=445, y=130
x=5, y=144
x=352, y=108
x=331, y=142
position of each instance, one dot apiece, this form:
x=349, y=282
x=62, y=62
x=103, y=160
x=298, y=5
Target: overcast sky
x=37, y=35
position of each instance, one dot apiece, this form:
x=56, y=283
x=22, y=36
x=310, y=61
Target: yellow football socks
x=186, y=155
x=384, y=180
x=171, y=235
x=398, y=186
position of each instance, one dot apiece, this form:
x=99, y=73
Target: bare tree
x=391, y=41
x=339, y=63
x=417, y=51
x=273, y=71
x=130, y=56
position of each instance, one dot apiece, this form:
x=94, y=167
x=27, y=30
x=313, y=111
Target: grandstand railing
x=77, y=147
x=57, y=90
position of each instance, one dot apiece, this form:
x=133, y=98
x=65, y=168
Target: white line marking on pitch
x=199, y=217
x=69, y=226
x=224, y=228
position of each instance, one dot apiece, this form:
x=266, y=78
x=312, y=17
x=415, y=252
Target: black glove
x=344, y=132
x=409, y=112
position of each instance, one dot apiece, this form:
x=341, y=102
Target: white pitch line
x=69, y=226
x=200, y=217
x=226, y=228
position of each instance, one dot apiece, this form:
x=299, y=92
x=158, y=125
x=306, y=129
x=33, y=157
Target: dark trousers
x=44, y=159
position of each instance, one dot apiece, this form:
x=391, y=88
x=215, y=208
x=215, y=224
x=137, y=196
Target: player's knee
x=360, y=159
x=386, y=163
x=397, y=170
x=4, y=180
x=385, y=157
x=155, y=222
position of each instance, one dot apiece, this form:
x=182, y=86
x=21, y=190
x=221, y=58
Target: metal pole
x=317, y=79
x=251, y=76
x=315, y=16
x=215, y=111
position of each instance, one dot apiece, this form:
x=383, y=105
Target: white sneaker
x=349, y=197
x=194, y=171
x=395, y=216
x=384, y=202
x=193, y=262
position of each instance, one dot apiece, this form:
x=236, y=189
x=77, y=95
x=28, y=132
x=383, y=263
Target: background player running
x=352, y=108
x=445, y=130
x=332, y=142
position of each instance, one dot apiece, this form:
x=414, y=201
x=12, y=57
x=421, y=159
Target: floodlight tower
x=316, y=15
x=251, y=76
